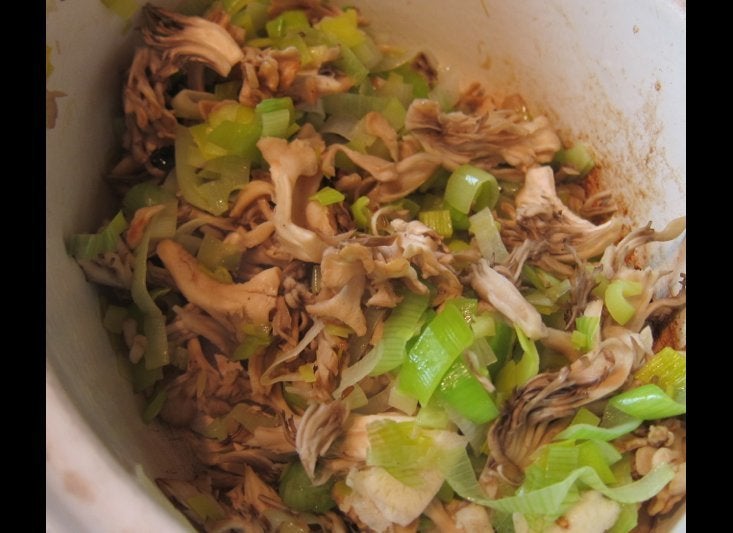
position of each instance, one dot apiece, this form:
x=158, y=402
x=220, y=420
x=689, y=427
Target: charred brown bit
x=52, y=110
x=424, y=66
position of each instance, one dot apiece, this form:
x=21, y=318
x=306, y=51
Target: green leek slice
x=401, y=325
x=615, y=299
x=585, y=330
x=667, y=368
x=647, y=402
x=299, y=493
x=156, y=351
x=471, y=187
x=587, y=431
x=440, y=221
x=440, y=343
x=89, y=246
x=328, y=196
x=462, y=391
x=577, y=157
x=483, y=226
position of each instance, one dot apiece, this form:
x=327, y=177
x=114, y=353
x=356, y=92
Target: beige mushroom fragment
x=395, y=180
x=180, y=39
x=319, y=427
x=541, y=408
x=288, y=162
x=563, y=237
x=484, y=139
x=231, y=304
x=506, y=298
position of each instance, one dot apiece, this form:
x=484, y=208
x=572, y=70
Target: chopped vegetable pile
x=368, y=301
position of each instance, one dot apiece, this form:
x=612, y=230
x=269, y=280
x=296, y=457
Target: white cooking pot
x=611, y=72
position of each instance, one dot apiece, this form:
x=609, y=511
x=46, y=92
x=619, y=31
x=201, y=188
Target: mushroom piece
x=664, y=442
x=593, y=513
x=615, y=255
x=328, y=364
x=395, y=180
x=542, y=217
x=344, y=306
x=459, y=517
x=172, y=40
x=424, y=249
x=150, y=125
x=191, y=321
x=343, y=279
x=140, y=221
x=486, y=140
x=253, y=493
x=288, y=162
x=309, y=85
x=506, y=298
x=180, y=38
x=267, y=73
x=440, y=517
x=232, y=304
x=540, y=409
x=113, y=269
x=645, y=305
x=204, y=390
x=320, y=425
x=376, y=124
x=470, y=517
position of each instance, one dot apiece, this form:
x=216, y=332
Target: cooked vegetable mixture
x=367, y=301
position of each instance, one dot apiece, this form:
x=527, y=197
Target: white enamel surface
x=611, y=72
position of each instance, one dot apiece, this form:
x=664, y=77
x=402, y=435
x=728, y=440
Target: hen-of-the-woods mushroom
x=486, y=140
x=233, y=304
x=180, y=39
x=506, y=298
x=540, y=409
x=542, y=218
x=288, y=162
x=395, y=180
x=320, y=425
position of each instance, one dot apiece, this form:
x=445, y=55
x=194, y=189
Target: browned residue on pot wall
x=78, y=486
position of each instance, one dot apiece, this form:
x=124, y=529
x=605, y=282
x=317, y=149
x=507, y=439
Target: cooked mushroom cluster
x=365, y=301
